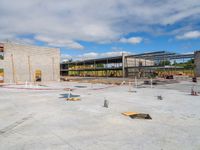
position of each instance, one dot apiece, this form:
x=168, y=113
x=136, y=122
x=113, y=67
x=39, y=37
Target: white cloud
x=23, y=41
x=67, y=22
x=117, y=49
x=93, y=55
x=189, y=35
x=111, y=54
x=131, y=40
x=56, y=42
x=189, y=52
x=89, y=55
x=66, y=57
x=19, y=41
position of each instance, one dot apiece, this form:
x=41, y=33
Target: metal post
x=84, y=68
x=136, y=84
x=107, y=67
x=68, y=68
x=69, y=93
x=145, y=68
x=123, y=65
x=76, y=70
x=95, y=69
x=151, y=83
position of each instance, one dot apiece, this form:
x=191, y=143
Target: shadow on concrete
x=80, y=86
x=68, y=95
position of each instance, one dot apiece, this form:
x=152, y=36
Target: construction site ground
x=116, y=81
x=39, y=117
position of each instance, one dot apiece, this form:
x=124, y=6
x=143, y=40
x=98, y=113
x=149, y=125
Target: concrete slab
x=34, y=119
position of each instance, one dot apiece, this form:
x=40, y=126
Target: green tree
x=100, y=65
x=165, y=63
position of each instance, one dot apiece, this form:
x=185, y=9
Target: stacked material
x=73, y=99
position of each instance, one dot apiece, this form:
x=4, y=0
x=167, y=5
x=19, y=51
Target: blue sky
x=90, y=28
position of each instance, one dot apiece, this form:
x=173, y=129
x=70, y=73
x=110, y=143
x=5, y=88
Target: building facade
x=21, y=63
x=118, y=66
x=160, y=63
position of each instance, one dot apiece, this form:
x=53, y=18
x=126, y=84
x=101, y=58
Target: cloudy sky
x=93, y=28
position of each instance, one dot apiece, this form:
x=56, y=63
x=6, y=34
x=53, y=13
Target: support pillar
x=197, y=63
x=107, y=67
x=123, y=65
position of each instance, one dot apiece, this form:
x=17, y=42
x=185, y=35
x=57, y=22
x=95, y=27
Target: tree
x=99, y=65
x=164, y=63
x=188, y=64
x=70, y=60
